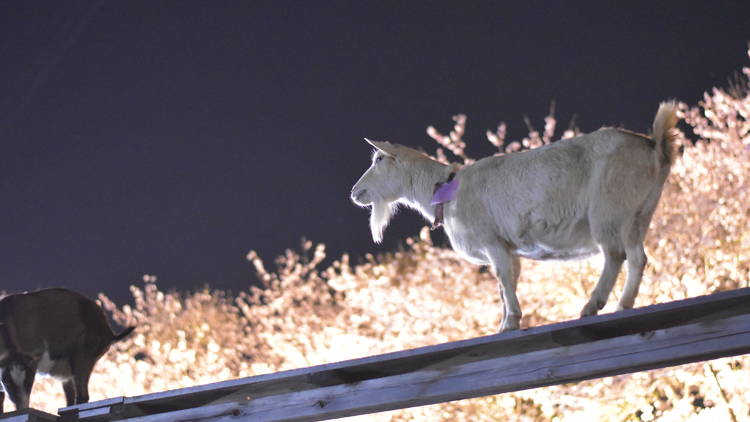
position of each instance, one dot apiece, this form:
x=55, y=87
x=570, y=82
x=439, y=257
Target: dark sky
x=171, y=137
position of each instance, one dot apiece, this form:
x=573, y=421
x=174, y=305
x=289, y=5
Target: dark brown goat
x=57, y=332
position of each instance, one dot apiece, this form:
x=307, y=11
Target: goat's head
x=382, y=184
x=17, y=377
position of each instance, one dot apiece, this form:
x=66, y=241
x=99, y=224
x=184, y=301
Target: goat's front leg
x=507, y=268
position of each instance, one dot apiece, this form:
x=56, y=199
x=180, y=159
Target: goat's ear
x=385, y=146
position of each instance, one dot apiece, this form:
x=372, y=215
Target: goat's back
x=550, y=195
x=55, y=320
x=569, y=167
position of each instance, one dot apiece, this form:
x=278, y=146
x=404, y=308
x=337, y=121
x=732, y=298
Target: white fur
x=568, y=200
x=58, y=369
x=18, y=374
x=46, y=364
x=379, y=219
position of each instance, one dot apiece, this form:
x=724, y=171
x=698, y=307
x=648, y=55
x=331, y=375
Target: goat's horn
x=386, y=147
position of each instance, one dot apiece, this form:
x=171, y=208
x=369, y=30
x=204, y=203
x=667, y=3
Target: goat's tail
x=124, y=333
x=664, y=134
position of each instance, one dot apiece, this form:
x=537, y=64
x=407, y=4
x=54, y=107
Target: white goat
x=567, y=200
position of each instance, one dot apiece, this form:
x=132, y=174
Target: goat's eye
x=378, y=158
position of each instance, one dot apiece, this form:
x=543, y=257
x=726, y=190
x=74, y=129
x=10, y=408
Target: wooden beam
x=651, y=337
x=27, y=415
x=631, y=353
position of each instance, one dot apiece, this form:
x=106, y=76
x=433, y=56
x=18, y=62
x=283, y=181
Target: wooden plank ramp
x=28, y=415
x=651, y=337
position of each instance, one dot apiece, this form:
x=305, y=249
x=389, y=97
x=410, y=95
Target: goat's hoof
x=620, y=307
x=509, y=327
x=589, y=310
x=592, y=307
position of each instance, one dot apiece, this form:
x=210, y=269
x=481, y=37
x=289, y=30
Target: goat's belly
x=543, y=252
x=59, y=369
x=561, y=240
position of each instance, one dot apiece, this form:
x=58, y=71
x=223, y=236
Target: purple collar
x=444, y=192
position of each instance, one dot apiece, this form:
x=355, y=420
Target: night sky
x=172, y=137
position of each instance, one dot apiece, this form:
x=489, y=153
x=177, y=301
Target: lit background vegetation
x=423, y=294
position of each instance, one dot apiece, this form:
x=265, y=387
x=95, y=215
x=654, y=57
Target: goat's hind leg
x=636, y=263
x=81, y=366
x=613, y=259
x=636, y=257
x=69, y=388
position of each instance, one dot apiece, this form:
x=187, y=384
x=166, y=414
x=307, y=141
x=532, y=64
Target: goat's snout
x=359, y=196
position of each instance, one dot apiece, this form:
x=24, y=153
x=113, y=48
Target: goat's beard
x=380, y=216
